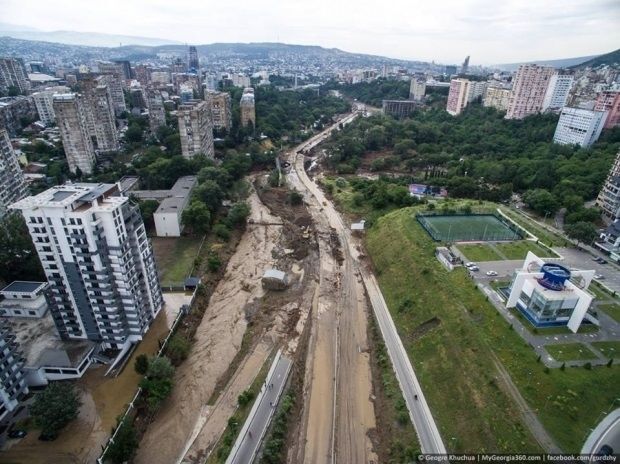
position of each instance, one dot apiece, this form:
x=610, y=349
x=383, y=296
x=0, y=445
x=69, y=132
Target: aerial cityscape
x=309, y=234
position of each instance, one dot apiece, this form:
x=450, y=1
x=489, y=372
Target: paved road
x=249, y=439
x=428, y=434
x=607, y=432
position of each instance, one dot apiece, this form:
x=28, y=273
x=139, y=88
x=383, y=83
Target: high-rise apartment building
x=557, y=92
x=72, y=121
x=528, y=90
x=196, y=129
x=192, y=62
x=98, y=261
x=157, y=112
x=496, y=97
x=221, y=109
x=44, y=100
x=114, y=81
x=609, y=101
x=248, y=107
x=398, y=108
x=125, y=67
x=458, y=97
x=417, y=89
x=13, y=385
x=609, y=197
x=13, y=74
x=577, y=126
x=96, y=100
x=12, y=183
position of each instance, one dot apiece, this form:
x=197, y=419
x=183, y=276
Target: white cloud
x=491, y=31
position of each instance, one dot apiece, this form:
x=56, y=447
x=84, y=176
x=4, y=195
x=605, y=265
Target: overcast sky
x=491, y=31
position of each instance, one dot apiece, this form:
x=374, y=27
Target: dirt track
x=338, y=410
x=217, y=341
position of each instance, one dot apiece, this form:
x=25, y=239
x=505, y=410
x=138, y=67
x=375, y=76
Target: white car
x=491, y=273
x=474, y=268
x=470, y=264
x=599, y=276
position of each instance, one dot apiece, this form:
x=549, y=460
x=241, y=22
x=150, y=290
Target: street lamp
x=455, y=440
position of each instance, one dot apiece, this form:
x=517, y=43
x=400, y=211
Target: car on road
x=595, y=258
x=600, y=260
x=473, y=268
x=470, y=264
x=491, y=273
x=17, y=433
x=599, y=276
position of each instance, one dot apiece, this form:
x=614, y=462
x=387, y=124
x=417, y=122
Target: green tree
x=238, y=214
x=541, y=201
x=124, y=445
x=55, y=407
x=18, y=258
x=197, y=217
x=584, y=232
x=134, y=134
x=221, y=231
x=158, y=382
x=147, y=208
x=160, y=368
x=210, y=193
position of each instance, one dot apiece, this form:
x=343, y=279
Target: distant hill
x=608, y=59
x=91, y=39
x=563, y=63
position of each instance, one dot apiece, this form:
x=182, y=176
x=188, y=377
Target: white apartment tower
x=12, y=184
x=577, y=126
x=458, y=96
x=71, y=119
x=196, y=129
x=557, y=92
x=44, y=101
x=476, y=90
x=417, y=89
x=99, y=263
x=528, y=90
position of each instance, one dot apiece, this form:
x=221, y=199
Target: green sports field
x=467, y=228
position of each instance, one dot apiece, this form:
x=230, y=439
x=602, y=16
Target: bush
x=213, y=262
x=245, y=398
x=221, y=231
x=588, y=366
x=295, y=198
x=141, y=364
x=178, y=348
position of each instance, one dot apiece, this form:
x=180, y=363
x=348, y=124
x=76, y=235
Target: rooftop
x=41, y=345
x=22, y=286
x=77, y=195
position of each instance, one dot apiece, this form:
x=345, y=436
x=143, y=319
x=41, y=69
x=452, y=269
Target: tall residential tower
x=528, y=90
x=99, y=263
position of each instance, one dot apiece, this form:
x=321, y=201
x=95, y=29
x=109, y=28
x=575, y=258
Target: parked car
x=474, y=268
x=17, y=433
x=470, y=264
x=602, y=261
x=595, y=258
x=599, y=276
x=491, y=273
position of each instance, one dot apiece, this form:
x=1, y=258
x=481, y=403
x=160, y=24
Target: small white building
x=24, y=299
x=550, y=295
x=168, y=215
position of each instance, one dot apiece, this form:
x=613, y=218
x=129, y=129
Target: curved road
x=426, y=429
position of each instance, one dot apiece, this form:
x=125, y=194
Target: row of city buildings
x=537, y=89
x=88, y=108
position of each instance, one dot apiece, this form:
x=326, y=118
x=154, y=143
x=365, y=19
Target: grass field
x=611, y=309
x=570, y=352
x=454, y=360
x=519, y=249
x=479, y=252
x=499, y=251
x=175, y=256
x=455, y=228
x=609, y=349
x=549, y=238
